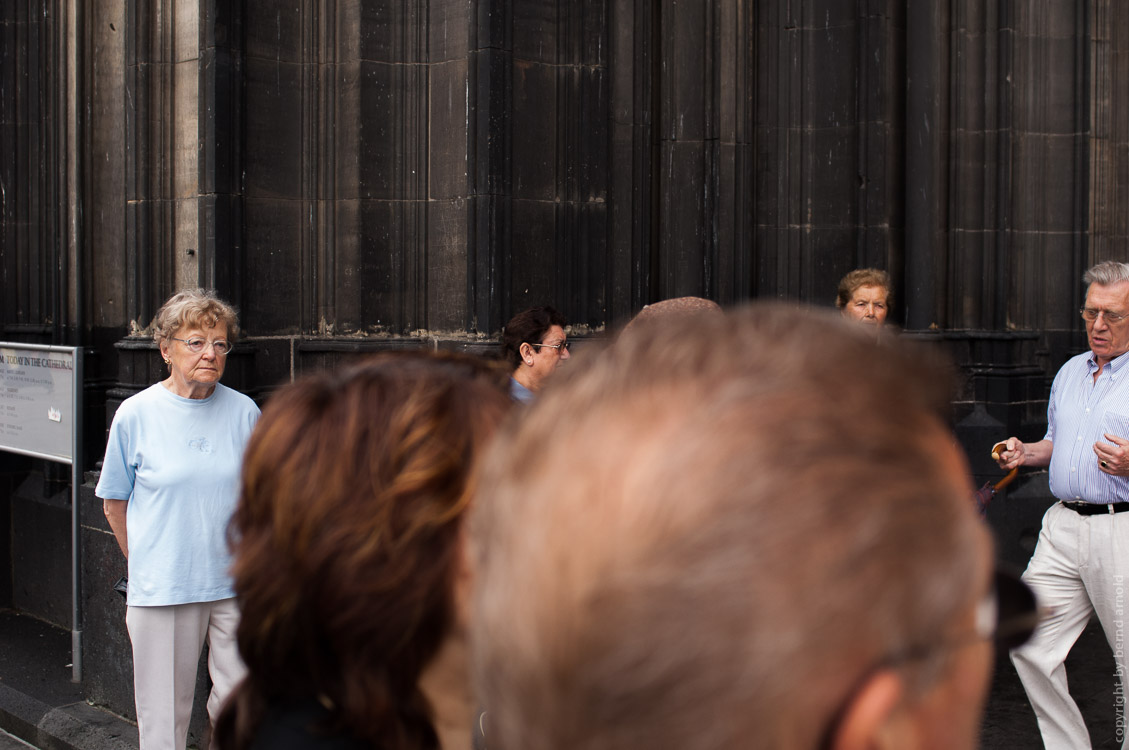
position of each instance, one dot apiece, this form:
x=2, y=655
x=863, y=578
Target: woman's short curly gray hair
x=859, y=278
x=200, y=308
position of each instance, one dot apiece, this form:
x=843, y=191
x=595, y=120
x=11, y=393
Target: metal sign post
x=41, y=416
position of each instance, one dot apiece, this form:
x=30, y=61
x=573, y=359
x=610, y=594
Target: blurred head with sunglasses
x=719, y=535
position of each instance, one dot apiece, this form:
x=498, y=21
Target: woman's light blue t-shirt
x=177, y=461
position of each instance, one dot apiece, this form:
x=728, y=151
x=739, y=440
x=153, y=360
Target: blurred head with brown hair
x=678, y=307
x=348, y=554
x=710, y=538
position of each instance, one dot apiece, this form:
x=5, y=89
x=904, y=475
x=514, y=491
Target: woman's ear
x=165, y=351
x=526, y=351
x=871, y=720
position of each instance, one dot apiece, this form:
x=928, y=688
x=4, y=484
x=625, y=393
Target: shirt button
x=1087, y=411
x=1074, y=468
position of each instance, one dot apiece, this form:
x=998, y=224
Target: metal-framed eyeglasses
x=1007, y=617
x=1091, y=314
x=565, y=345
x=197, y=346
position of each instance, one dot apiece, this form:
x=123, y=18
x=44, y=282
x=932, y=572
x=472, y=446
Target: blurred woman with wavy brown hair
x=348, y=557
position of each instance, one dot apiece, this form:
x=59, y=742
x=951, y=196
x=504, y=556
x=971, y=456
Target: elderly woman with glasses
x=169, y=483
x=535, y=345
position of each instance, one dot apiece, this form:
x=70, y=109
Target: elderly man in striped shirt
x=1082, y=559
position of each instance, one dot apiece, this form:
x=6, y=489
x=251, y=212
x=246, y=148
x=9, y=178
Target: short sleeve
x=118, y=471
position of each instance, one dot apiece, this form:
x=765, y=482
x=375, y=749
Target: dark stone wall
x=107, y=655
x=41, y=545
x=338, y=107
x=32, y=270
x=370, y=172
x=12, y=470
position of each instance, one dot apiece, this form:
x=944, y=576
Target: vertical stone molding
x=489, y=163
x=338, y=164
x=160, y=155
x=1049, y=132
x=1108, y=220
x=681, y=183
x=829, y=120
x=218, y=245
x=732, y=268
x=33, y=169
x=689, y=76
x=114, y=303
x=927, y=150
x=980, y=192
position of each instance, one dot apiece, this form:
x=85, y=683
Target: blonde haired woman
x=169, y=484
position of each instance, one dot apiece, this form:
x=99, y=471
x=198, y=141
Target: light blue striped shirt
x=1080, y=412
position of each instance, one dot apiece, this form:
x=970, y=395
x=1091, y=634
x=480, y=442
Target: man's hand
x=1011, y=455
x=1018, y=453
x=1113, y=457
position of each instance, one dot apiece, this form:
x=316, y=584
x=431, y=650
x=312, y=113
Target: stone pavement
x=1009, y=722
x=39, y=703
x=10, y=742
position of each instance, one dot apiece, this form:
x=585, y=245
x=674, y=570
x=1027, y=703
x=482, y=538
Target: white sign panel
x=38, y=399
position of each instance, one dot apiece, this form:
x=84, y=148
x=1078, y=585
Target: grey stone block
x=448, y=27
x=82, y=727
x=448, y=160
x=446, y=265
x=273, y=232
x=274, y=147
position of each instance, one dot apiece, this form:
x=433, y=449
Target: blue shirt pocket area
x=1114, y=424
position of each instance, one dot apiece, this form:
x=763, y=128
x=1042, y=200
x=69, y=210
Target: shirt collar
x=1115, y=365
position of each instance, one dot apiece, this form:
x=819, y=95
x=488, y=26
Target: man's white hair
x=1109, y=272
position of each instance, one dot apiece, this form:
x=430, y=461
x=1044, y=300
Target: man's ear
x=526, y=352
x=870, y=721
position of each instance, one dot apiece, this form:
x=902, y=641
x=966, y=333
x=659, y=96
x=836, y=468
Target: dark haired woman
x=535, y=345
x=348, y=557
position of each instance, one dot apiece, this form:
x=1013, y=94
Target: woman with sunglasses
x=169, y=484
x=536, y=345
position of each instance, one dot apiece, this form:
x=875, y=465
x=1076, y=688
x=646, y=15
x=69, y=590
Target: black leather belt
x=1093, y=509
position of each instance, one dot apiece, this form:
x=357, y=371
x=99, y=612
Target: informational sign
x=39, y=387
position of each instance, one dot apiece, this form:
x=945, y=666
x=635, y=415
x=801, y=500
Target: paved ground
x=8, y=742
x=38, y=702
x=1009, y=723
